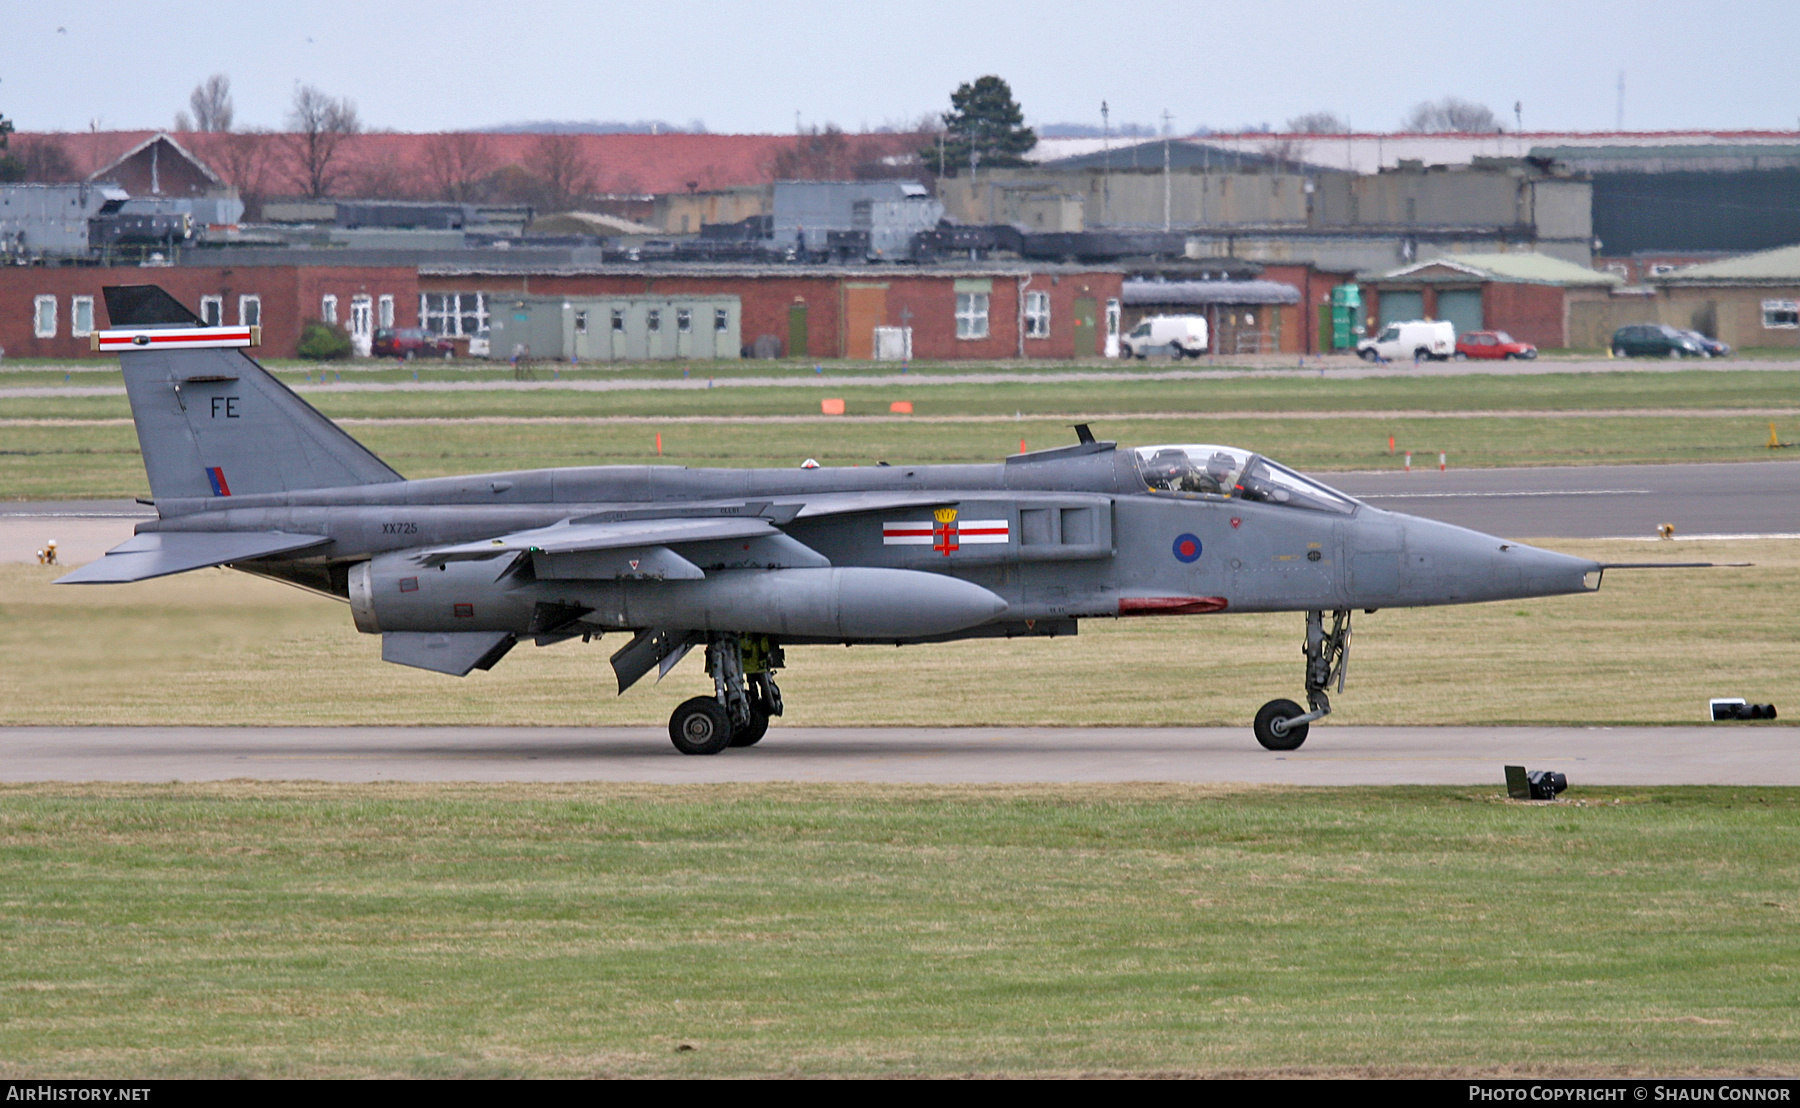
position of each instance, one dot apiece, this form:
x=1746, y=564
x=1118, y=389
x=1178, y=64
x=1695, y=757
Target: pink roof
x=622, y=163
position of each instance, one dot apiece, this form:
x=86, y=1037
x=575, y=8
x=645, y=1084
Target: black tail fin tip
x=146, y=306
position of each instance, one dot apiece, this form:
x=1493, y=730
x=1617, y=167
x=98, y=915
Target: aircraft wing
x=160, y=553
x=850, y=503
x=572, y=538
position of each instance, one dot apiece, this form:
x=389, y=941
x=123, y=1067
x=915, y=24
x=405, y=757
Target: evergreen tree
x=985, y=120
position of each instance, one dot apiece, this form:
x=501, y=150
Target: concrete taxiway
x=1717, y=754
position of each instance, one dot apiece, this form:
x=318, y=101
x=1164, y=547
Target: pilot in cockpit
x=1174, y=471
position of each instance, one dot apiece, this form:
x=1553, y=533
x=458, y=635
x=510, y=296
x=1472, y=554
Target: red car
x=1492, y=344
x=410, y=343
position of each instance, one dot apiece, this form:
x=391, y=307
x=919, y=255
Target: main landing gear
x=744, y=697
x=1281, y=724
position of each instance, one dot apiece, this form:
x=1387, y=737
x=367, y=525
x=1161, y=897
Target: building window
x=654, y=323
x=250, y=311
x=1037, y=315
x=684, y=320
x=212, y=311
x=581, y=323
x=43, y=317
x=328, y=308
x=384, y=312
x=971, y=315
x=1777, y=314
x=721, y=320
x=618, y=321
x=81, y=316
x=453, y=313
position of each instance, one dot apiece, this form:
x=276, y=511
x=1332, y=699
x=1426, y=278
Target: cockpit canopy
x=1230, y=473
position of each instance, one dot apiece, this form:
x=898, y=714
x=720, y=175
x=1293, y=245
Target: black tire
x=1368, y=355
x=1421, y=355
x=448, y=354
x=1461, y=357
x=1265, y=731
x=752, y=734
x=1619, y=352
x=411, y=354
x=700, y=726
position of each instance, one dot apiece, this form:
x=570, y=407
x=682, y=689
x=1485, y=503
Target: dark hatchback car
x=409, y=343
x=1711, y=347
x=1653, y=340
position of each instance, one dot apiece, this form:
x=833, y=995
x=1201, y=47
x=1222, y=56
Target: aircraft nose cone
x=1445, y=564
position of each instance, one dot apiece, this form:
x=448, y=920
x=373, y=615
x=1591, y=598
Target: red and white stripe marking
x=974, y=531
x=177, y=338
x=968, y=532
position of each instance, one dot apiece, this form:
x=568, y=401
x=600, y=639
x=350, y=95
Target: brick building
x=955, y=312
x=48, y=311
x=1530, y=296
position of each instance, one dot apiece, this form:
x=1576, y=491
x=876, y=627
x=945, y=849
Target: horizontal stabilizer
x=569, y=538
x=455, y=653
x=160, y=553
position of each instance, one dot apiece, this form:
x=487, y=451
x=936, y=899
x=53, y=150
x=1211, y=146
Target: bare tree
x=563, y=173
x=318, y=125
x=244, y=159
x=457, y=163
x=1317, y=123
x=1451, y=114
x=817, y=155
x=1286, y=153
x=211, y=104
x=41, y=159
x=382, y=178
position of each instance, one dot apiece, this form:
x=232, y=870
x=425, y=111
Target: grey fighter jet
x=453, y=572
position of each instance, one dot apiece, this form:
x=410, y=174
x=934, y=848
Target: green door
x=1462, y=307
x=1401, y=305
x=1087, y=327
x=796, y=331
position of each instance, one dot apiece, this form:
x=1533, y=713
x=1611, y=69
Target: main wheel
x=1265, y=725
x=1619, y=352
x=1461, y=357
x=752, y=733
x=1368, y=355
x=700, y=726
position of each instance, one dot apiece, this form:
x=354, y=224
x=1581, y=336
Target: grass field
x=1119, y=391
x=69, y=462
x=216, y=647
x=63, y=447
x=309, y=930
x=304, y=930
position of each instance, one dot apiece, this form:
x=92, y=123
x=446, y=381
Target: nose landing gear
x=1280, y=724
x=744, y=696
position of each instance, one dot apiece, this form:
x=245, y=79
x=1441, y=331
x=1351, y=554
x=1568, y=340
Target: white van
x=1416, y=339
x=1182, y=334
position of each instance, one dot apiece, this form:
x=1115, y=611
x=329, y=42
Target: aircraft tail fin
x=210, y=420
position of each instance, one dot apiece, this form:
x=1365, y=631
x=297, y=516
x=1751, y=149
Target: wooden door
x=865, y=308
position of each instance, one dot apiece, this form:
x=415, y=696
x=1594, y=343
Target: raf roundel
x=1187, y=548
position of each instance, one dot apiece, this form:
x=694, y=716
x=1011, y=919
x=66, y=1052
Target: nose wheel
x=744, y=697
x=1283, y=724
